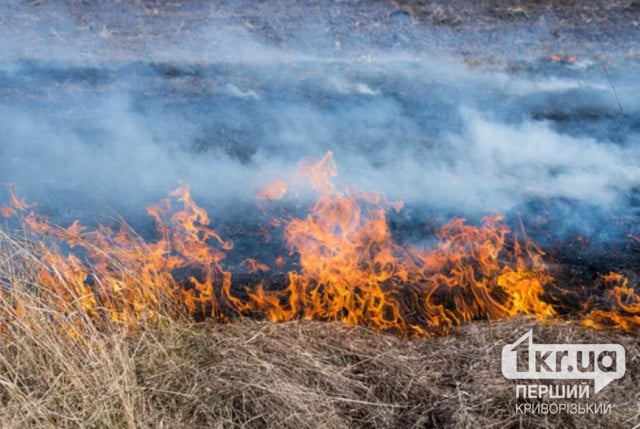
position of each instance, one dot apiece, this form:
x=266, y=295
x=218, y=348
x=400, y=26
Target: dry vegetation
x=173, y=373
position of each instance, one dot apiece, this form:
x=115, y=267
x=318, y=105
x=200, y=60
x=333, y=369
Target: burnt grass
x=467, y=28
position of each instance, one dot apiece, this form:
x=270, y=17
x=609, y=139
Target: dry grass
x=173, y=373
x=299, y=375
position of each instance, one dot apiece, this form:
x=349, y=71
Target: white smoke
x=420, y=128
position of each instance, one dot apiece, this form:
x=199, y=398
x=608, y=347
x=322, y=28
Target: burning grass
x=64, y=366
x=97, y=329
x=347, y=267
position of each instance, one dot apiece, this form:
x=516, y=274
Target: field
x=370, y=200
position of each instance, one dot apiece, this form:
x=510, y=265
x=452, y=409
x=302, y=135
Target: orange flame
x=624, y=311
x=350, y=267
x=15, y=203
x=253, y=266
x=274, y=191
x=351, y=270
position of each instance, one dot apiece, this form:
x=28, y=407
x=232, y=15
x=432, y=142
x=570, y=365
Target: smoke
x=228, y=113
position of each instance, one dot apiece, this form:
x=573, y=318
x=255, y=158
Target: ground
x=116, y=30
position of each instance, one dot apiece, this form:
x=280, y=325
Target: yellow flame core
x=350, y=267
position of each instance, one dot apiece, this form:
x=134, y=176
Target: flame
x=624, y=311
x=555, y=58
x=125, y=278
x=349, y=267
x=273, y=191
x=253, y=266
x=15, y=203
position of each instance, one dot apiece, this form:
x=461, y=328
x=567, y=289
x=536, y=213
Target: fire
x=274, y=191
x=352, y=270
x=16, y=203
x=555, y=58
x=624, y=306
x=349, y=267
x=253, y=266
